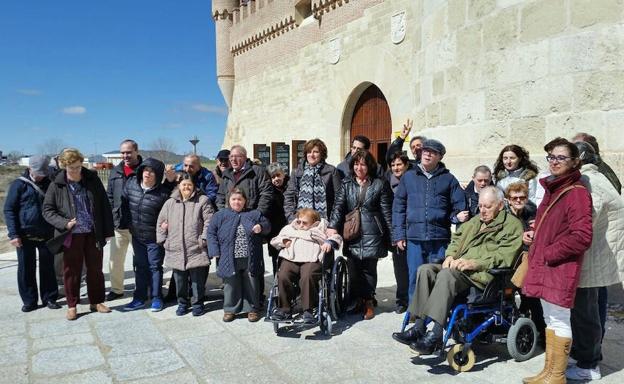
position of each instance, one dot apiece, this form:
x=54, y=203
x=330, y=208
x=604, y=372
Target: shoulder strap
x=32, y=184
x=552, y=203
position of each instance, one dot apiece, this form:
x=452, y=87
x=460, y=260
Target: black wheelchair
x=333, y=298
x=487, y=316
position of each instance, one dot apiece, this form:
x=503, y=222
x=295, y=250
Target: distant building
x=112, y=157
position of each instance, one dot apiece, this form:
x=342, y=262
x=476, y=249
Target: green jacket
x=495, y=246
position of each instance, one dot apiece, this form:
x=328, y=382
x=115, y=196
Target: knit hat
x=434, y=145
x=39, y=165
x=223, y=154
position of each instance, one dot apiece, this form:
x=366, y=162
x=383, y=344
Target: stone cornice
x=267, y=33
x=320, y=7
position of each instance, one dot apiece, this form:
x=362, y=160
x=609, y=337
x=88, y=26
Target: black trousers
x=27, y=273
x=586, y=329
x=198, y=278
x=401, y=274
x=364, y=277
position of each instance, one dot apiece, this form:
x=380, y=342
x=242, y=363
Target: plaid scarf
x=312, y=190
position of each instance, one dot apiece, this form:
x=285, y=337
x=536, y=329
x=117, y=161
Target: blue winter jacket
x=221, y=234
x=423, y=209
x=23, y=210
x=203, y=180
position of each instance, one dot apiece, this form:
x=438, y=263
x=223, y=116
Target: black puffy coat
x=144, y=206
x=254, y=182
x=116, y=182
x=375, y=217
x=331, y=179
x=59, y=208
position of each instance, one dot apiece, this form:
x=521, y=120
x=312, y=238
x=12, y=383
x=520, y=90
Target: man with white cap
x=28, y=232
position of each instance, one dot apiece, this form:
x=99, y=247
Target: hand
x=401, y=244
x=467, y=265
x=326, y=247
x=407, y=127
x=447, y=262
x=527, y=237
x=164, y=225
x=170, y=173
x=287, y=243
x=331, y=232
x=17, y=242
x=256, y=229
x=71, y=223
x=463, y=216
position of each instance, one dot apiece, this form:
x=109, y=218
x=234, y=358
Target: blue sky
x=91, y=73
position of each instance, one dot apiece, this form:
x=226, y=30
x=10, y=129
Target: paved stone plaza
x=145, y=347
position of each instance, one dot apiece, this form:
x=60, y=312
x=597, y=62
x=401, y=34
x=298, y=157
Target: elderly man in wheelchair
x=486, y=242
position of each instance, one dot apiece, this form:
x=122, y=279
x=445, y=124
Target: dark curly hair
x=522, y=154
x=370, y=161
x=310, y=144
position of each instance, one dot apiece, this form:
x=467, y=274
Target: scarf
x=312, y=190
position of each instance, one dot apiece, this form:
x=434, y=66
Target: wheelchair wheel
x=459, y=364
x=326, y=323
x=522, y=339
x=340, y=291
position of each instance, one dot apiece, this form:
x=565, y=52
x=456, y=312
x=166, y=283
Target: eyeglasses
x=558, y=159
x=519, y=198
x=74, y=167
x=236, y=157
x=302, y=222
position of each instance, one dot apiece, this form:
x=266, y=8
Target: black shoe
x=308, y=318
x=198, y=310
x=409, y=336
x=29, y=308
x=182, y=310
x=427, y=344
x=279, y=315
x=114, y=296
x=53, y=305
x=400, y=308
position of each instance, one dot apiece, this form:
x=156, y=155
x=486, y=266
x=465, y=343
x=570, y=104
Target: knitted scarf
x=312, y=190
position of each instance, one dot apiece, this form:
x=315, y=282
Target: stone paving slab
x=150, y=348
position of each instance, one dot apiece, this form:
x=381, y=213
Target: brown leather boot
x=559, y=362
x=547, y=360
x=72, y=314
x=369, y=310
x=101, y=308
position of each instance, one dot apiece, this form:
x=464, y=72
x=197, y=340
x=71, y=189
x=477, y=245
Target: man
x=130, y=160
x=603, y=167
x=28, y=232
x=202, y=177
x=252, y=179
x=359, y=143
x=491, y=240
x=426, y=202
x=481, y=178
x=416, y=144
x=223, y=163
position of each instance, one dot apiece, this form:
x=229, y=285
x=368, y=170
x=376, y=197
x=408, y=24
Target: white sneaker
x=585, y=374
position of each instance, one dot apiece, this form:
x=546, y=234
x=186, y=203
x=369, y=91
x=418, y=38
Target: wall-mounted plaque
x=297, y=152
x=281, y=153
x=262, y=152
x=397, y=27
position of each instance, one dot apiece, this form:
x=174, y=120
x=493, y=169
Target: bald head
x=192, y=164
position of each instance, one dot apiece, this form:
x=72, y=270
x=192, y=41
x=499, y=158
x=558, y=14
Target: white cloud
x=30, y=92
x=74, y=110
x=209, y=108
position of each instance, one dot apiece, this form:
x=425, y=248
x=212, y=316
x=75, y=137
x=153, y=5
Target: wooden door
x=371, y=118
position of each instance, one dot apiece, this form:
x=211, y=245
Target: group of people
x=569, y=220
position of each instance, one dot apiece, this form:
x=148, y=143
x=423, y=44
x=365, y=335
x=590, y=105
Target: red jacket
x=556, y=255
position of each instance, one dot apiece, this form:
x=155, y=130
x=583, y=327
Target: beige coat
x=605, y=256
x=306, y=244
x=187, y=223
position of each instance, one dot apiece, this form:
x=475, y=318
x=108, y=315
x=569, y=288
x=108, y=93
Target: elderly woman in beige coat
x=599, y=270
x=181, y=229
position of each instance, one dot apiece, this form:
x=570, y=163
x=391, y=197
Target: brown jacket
x=187, y=223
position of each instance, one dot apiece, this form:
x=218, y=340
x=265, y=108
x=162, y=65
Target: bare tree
x=164, y=150
x=51, y=147
x=14, y=156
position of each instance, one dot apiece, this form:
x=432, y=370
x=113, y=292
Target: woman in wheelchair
x=302, y=245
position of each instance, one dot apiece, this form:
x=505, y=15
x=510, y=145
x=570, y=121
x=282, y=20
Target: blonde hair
x=309, y=213
x=70, y=156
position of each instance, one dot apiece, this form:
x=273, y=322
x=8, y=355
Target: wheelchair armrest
x=500, y=271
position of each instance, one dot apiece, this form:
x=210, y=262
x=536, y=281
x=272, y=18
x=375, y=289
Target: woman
x=513, y=165
x=276, y=216
x=563, y=232
x=518, y=204
x=374, y=197
x=77, y=207
x=399, y=164
x=314, y=184
x=181, y=230
x=235, y=238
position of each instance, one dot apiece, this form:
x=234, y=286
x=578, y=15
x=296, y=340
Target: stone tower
x=223, y=15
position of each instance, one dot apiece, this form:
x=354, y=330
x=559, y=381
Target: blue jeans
x=148, y=269
x=422, y=252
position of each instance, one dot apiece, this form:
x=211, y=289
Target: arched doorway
x=371, y=118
